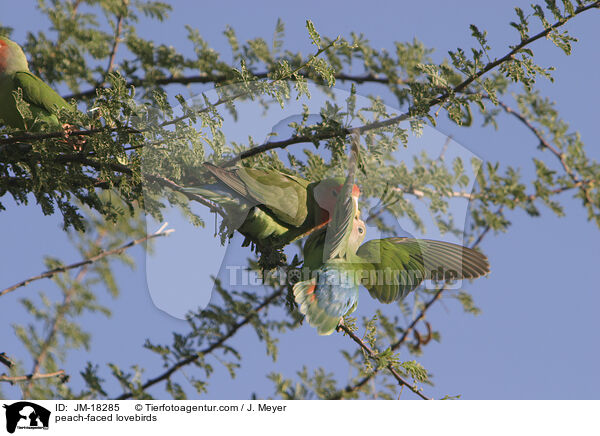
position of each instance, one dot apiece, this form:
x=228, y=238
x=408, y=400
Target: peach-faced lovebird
x=389, y=268
x=14, y=75
x=270, y=208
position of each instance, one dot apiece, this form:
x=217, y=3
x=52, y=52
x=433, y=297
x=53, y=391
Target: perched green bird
x=389, y=268
x=14, y=76
x=270, y=208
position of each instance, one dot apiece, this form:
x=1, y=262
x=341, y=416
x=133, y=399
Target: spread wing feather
x=393, y=267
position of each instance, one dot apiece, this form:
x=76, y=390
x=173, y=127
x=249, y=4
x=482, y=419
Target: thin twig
x=485, y=230
x=75, y=6
x=209, y=349
x=5, y=360
x=29, y=377
x=584, y=184
x=115, y=47
x=420, y=194
x=61, y=311
x=373, y=355
x=88, y=261
x=515, y=50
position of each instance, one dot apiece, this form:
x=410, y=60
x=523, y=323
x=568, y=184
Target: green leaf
x=314, y=35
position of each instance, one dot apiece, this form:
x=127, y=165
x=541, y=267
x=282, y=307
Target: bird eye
x=361, y=230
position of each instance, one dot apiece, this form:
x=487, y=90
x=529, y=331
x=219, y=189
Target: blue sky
x=537, y=335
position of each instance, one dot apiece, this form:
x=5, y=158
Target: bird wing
x=282, y=194
x=342, y=220
x=38, y=93
x=393, y=267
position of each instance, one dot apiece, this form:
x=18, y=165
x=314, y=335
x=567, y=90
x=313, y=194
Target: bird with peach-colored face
x=270, y=208
x=16, y=78
x=338, y=263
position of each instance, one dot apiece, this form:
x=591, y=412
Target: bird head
x=12, y=58
x=327, y=191
x=357, y=235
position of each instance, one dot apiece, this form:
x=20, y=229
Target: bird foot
x=76, y=141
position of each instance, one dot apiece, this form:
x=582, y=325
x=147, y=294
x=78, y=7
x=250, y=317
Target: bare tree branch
x=224, y=78
x=29, y=377
x=102, y=254
x=5, y=360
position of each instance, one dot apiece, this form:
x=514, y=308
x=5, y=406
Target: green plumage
x=270, y=208
x=285, y=196
x=15, y=77
x=391, y=268
x=333, y=293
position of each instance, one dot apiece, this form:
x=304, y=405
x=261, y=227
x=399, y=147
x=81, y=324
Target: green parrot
x=270, y=208
x=389, y=268
x=14, y=76
x=334, y=291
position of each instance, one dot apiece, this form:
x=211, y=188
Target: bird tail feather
x=305, y=296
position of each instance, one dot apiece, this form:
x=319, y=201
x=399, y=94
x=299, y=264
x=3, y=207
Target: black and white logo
x=26, y=415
